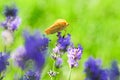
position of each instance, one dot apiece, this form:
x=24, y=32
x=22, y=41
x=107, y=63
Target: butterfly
x=58, y=25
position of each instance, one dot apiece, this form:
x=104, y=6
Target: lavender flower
x=36, y=46
x=10, y=11
x=62, y=43
x=114, y=73
x=58, y=62
x=56, y=50
x=12, y=20
x=74, y=54
x=34, y=50
x=3, y=61
x=31, y=75
x=94, y=71
x=20, y=57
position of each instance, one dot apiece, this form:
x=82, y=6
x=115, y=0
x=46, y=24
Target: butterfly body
x=59, y=25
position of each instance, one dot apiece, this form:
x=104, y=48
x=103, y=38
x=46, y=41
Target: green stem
x=5, y=48
x=53, y=67
x=69, y=74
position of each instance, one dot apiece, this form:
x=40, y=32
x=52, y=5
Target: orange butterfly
x=59, y=25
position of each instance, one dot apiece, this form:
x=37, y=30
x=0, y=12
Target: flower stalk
x=69, y=76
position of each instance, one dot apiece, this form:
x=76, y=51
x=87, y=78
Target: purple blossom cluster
x=3, y=61
x=74, y=54
x=12, y=20
x=114, y=72
x=11, y=24
x=31, y=75
x=35, y=49
x=63, y=43
x=94, y=71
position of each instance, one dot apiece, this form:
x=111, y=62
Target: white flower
x=7, y=37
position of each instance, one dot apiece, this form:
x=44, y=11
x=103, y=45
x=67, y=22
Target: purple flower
x=10, y=11
x=11, y=23
x=12, y=20
x=74, y=54
x=20, y=57
x=36, y=46
x=62, y=43
x=31, y=75
x=58, y=62
x=94, y=71
x=3, y=61
x=56, y=50
x=114, y=73
x=34, y=50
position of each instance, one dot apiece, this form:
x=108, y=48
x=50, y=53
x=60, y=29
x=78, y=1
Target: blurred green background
x=95, y=24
